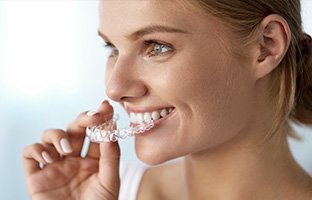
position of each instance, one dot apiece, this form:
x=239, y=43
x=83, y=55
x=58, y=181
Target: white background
x=51, y=69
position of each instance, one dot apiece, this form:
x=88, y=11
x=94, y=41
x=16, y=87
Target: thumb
x=109, y=159
x=109, y=166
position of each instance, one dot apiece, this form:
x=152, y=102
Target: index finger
x=77, y=129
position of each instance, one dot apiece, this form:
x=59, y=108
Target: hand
x=67, y=175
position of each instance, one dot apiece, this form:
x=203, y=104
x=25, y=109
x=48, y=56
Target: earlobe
x=274, y=41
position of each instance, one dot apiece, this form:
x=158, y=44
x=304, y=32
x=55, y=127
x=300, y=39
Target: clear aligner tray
x=106, y=132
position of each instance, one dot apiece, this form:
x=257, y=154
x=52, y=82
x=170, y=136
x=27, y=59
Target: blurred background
x=51, y=69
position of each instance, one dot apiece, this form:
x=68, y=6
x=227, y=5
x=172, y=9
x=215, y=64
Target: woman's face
x=165, y=55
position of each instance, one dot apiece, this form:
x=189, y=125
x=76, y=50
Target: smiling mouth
x=139, y=118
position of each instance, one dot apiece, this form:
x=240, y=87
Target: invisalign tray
x=106, y=132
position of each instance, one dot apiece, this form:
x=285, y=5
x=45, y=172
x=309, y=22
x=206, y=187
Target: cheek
x=221, y=104
x=195, y=79
x=213, y=95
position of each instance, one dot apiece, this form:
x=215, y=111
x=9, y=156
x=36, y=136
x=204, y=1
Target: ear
x=274, y=39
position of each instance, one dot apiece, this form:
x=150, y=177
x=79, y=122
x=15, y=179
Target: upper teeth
x=154, y=115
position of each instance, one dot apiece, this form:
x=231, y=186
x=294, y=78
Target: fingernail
x=46, y=157
x=66, y=146
x=105, y=102
x=91, y=113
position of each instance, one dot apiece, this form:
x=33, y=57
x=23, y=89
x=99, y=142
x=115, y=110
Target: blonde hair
x=292, y=79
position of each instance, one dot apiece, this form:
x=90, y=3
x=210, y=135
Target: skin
x=194, y=78
x=93, y=177
x=222, y=112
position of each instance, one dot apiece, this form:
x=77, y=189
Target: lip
x=157, y=123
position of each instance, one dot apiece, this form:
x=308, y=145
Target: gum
x=106, y=132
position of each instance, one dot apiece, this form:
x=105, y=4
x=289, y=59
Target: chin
x=152, y=157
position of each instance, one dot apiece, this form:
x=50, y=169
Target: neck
x=242, y=172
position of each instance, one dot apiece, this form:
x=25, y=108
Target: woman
x=231, y=73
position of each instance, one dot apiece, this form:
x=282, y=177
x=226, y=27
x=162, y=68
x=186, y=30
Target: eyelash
x=113, y=50
x=147, y=44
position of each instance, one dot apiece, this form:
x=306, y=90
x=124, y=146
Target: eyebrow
x=149, y=30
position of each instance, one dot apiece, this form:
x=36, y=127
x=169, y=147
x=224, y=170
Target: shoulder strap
x=130, y=178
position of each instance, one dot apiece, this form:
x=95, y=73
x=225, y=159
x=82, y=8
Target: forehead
x=125, y=16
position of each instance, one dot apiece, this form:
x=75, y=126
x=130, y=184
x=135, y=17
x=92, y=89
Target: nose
x=123, y=81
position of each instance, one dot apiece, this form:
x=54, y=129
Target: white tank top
x=130, y=178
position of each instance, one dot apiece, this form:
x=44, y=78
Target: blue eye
x=113, y=51
x=156, y=48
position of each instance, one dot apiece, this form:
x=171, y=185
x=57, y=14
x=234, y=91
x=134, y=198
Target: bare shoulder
x=157, y=180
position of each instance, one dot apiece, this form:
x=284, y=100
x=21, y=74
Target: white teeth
x=163, y=113
x=133, y=118
x=139, y=118
x=147, y=116
x=155, y=115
